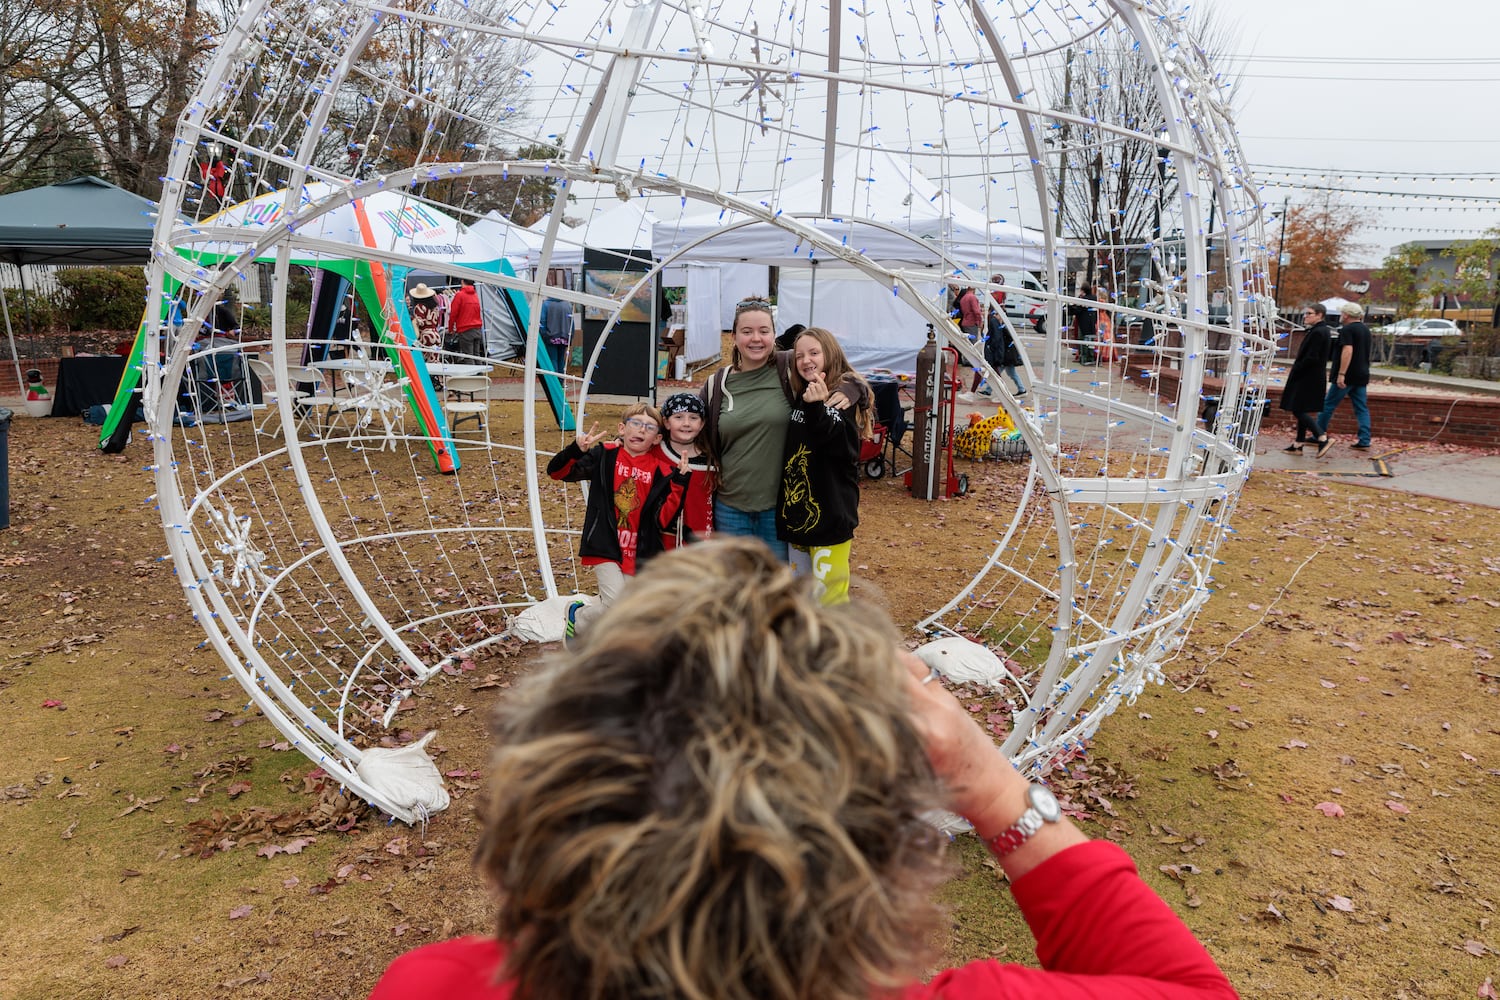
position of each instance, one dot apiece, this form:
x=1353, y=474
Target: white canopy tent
x=519, y=245
x=879, y=207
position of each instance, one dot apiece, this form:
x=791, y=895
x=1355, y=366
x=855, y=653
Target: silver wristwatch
x=1042, y=808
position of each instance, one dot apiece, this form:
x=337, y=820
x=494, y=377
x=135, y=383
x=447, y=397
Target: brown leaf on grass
x=1330, y=809
x=237, y=789
x=258, y=825
x=243, y=910
x=68, y=833
x=115, y=961
x=1341, y=903
x=396, y=846
x=122, y=935
x=142, y=804
x=1475, y=948
x=1487, y=990
x=214, y=715
x=1397, y=807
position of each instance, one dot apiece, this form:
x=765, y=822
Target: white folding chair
x=316, y=402
x=270, y=395
x=467, y=397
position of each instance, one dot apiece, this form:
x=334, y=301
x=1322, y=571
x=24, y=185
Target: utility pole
x=1067, y=131
x=1281, y=254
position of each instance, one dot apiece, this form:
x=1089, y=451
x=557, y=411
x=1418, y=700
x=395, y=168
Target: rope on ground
x=1203, y=670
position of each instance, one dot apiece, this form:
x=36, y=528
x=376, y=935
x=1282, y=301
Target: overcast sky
x=1379, y=86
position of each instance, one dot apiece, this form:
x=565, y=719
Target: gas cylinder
x=926, y=480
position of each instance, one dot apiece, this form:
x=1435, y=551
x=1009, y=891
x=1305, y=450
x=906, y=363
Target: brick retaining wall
x=1473, y=421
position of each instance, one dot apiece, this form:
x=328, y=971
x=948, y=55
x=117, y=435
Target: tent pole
x=10, y=335
x=812, y=294
x=26, y=306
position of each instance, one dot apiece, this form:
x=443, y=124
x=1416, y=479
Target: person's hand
x=1340, y=382
x=683, y=466
x=816, y=391
x=969, y=765
x=592, y=437
x=838, y=400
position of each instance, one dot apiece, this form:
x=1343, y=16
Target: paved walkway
x=1478, y=386
x=1397, y=465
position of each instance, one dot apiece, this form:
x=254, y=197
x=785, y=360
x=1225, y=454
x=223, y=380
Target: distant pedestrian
x=556, y=331
x=1307, y=381
x=1349, y=375
x=466, y=323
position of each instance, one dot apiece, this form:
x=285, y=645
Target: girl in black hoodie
x=817, y=508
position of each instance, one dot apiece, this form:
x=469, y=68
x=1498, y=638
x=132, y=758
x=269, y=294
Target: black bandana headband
x=682, y=402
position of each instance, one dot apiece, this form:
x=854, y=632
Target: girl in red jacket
x=686, y=448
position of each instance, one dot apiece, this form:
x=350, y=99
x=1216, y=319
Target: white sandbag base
x=963, y=662
x=544, y=621
x=405, y=776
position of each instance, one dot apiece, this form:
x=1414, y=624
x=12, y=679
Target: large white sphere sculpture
x=341, y=550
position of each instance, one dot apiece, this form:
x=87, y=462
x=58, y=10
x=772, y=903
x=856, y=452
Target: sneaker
x=1020, y=392
x=1293, y=449
x=1325, y=446
x=1361, y=447
x=570, y=624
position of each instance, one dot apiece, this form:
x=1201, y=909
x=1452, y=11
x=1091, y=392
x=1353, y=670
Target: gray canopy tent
x=82, y=221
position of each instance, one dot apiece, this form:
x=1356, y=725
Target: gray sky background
x=1380, y=87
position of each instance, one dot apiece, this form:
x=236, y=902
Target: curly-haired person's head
x=716, y=794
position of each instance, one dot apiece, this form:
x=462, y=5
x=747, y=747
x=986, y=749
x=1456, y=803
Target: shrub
x=109, y=298
x=41, y=309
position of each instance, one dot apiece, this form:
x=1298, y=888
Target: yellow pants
x=829, y=566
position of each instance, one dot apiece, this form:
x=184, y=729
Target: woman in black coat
x=1307, y=382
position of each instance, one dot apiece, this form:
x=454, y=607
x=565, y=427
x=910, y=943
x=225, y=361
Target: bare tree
x=1114, y=190
x=109, y=74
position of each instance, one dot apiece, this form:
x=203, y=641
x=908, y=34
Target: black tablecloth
x=82, y=382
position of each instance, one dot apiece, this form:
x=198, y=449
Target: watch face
x=1045, y=803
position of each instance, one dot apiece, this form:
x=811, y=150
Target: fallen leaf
x=1332, y=809
x=54, y=703
x=1487, y=990
x=215, y=715
x=1341, y=903
x=115, y=961
x=1475, y=948
x=243, y=910
x=1294, y=745
x=1397, y=807
x=237, y=789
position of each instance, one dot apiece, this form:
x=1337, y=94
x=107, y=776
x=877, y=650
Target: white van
x=1024, y=309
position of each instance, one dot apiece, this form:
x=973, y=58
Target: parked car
x=1427, y=329
x=1418, y=341
x=1025, y=309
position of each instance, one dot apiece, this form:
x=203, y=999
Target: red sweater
x=1101, y=934
x=464, y=311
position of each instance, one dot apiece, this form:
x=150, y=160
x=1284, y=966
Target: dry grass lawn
x=1345, y=666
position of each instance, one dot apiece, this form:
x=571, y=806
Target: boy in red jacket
x=632, y=492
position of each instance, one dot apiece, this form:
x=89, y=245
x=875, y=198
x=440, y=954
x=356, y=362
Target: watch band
x=1042, y=808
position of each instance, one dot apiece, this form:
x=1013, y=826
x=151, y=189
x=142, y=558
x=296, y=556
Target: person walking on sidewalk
x=1349, y=376
x=1307, y=381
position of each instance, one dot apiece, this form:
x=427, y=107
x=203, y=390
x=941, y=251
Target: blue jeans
x=749, y=524
x=1356, y=394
